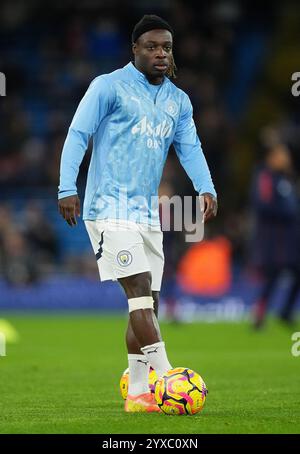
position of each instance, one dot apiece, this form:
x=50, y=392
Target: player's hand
x=69, y=208
x=210, y=206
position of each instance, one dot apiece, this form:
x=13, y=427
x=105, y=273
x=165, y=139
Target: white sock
x=157, y=357
x=138, y=374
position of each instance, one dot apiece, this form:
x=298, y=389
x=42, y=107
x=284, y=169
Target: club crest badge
x=124, y=258
x=172, y=108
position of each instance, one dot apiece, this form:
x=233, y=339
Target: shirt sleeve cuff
x=66, y=193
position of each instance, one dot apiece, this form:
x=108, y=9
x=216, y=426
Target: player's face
x=153, y=54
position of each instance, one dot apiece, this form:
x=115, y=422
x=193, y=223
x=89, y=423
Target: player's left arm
x=191, y=156
x=94, y=106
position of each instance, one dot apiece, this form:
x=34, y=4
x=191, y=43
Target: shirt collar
x=138, y=75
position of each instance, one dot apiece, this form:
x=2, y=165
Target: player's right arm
x=93, y=107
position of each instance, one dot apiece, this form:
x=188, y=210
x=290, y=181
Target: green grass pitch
x=63, y=377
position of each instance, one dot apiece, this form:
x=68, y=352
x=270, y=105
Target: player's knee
x=137, y=286
x=155, y=296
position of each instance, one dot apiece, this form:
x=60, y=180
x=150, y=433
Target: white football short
x=126, y=248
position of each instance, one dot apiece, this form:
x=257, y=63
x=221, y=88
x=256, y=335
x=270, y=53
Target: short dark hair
x=147, y=23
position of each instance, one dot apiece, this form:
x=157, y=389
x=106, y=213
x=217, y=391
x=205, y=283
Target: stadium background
x=235, y=60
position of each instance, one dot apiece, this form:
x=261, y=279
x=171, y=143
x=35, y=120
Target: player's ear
x=134, y=48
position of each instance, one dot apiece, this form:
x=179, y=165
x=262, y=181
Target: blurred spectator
x=276, y=238
x=39, y=233
x=28, y=245
x=18, y=265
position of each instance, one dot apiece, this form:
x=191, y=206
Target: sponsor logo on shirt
x=145, y=127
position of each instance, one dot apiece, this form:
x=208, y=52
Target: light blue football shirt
x=133, y=124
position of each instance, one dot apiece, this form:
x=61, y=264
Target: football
x=125, y=378
x=180, y=391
